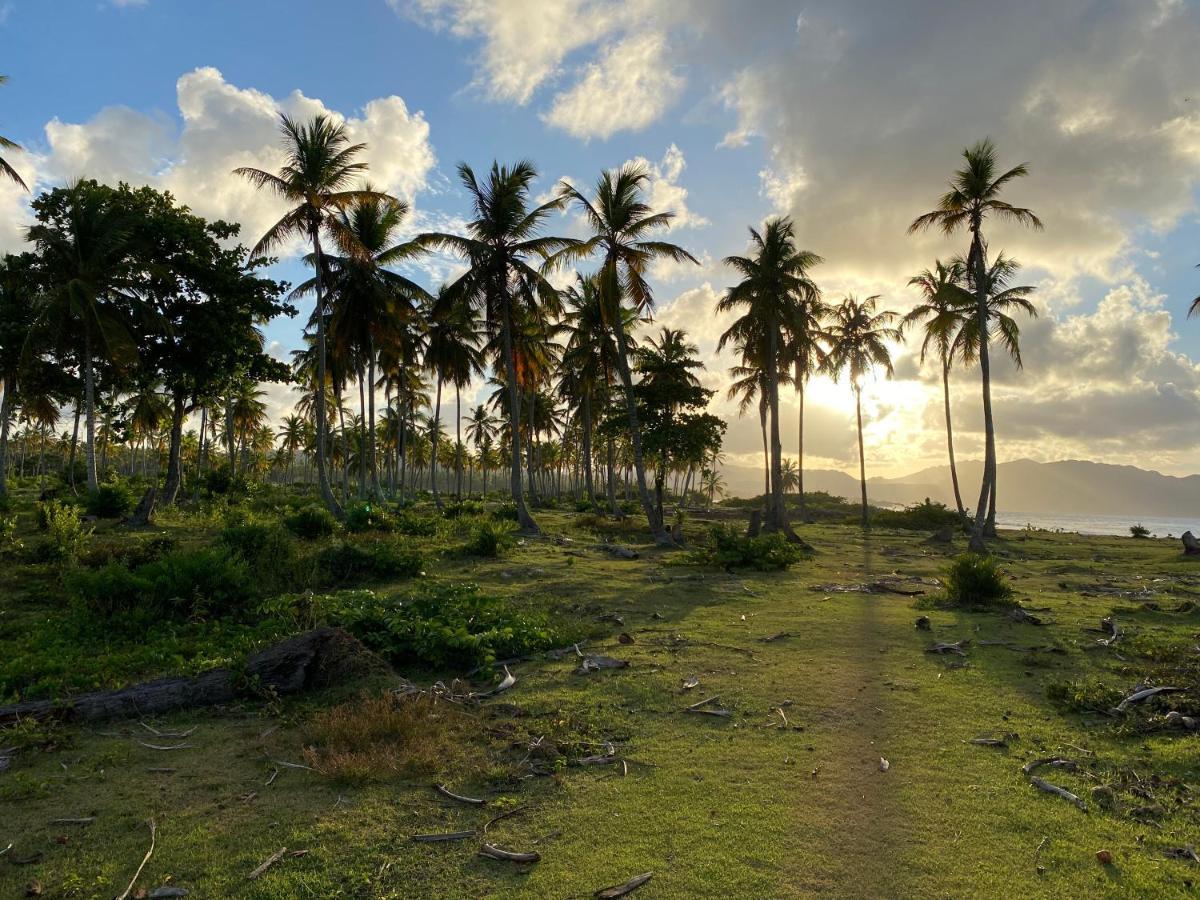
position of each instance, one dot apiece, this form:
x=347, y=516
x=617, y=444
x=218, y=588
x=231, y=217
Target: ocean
x=1160, y=526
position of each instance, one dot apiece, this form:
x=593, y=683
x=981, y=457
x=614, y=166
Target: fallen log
x=1057, y=791
x=296, y=664
x=958, y=647
x=617, y=551
x=1145, y=694
x=620, y=890
x=491, y=851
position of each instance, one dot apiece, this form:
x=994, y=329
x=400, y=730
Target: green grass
x=715, y=807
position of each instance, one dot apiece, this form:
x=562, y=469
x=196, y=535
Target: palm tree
x=82, y=252
x=481, y=432
x=621, y=222
x=944, y=308
x=806, y=340
x=507, y=258
x=773, y=279
x=859, y=334
x=5, y=144
x=1002, y=300
x=291, y=437
x=974, y=196
x=319, y=167
x=451, y=354
x=750, y=383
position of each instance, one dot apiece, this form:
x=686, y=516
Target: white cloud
x=224, y=127
x=626, y=89
x=664, y=193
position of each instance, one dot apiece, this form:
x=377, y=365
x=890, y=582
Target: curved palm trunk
x=950, y=438
x=322, y=474
x=800, y=451
x=762, y=422
x=434, y=430
x=777, y=514
x=989, y=457
x=524, y=519
x=587, y=448
x=989, y=530
x=89, y=406
x=74, y=449
x=862, y=459
x=174, y=455
x=635, y=437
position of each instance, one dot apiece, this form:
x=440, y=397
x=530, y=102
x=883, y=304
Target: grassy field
x=787, y=796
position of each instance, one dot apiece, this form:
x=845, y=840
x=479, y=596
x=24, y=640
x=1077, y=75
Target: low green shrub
x=730, y=548
x=183, y=584
x=414, y=524
x=66, y=534
x=926, y=516
x=1139, y=531
x=311, y=523
x=111, y=500
x=128, y=550
x=975, y=580
x=490, y=538
x=506, y=511
x=444, y=626
x=460, y=508
x=366, y=516
x=344, y=562
x=8, y=534
x=268, y=549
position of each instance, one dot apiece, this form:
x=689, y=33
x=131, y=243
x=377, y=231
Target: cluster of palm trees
x=562, y=361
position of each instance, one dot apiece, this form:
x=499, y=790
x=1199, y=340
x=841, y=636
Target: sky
x=848, y=116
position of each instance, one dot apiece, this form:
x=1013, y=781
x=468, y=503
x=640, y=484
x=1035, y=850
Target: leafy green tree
x=972, y=199
x=317, y=176
x=19, y=343
x=507, y=256
x=623, y=225
x=859, y=337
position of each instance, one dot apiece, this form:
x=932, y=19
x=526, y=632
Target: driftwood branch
x=628, y=887
x=145, y=859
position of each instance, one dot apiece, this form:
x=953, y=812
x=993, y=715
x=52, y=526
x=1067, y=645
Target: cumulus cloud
x=223, y=127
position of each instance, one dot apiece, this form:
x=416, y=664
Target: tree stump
x=144, y=513
x=677, y=532
x=1191, y=546
x=755, y=526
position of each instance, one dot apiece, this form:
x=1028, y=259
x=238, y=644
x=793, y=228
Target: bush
x=462, y=508
x=583, y=505
x=180, y=585
x=976, y=580
x=8, y=534
x=414, y=524
x=730, y=548
x=111, y=500
x=444, y=626
x=131, y=552
x=311, y=522
x=365, y=516
x=66, y=534
x=267, y=548
x=490, y=539
x=927, y=516
x=1139, y=530
x=347, y=563
x=506, y=512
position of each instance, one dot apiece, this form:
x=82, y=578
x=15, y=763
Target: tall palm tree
x=859, y=336
x=83, y=252
x=452, y=354
x=622, y=226
x=749, y=384
x=291, y=436
x=482, y=432
x=1003, y=299
x=944, y=308
x=5, y=144
x=368, y=303
x=973, y=197
x=507, y=256
x=773, y=279
x=319, y=168
x=806, y=349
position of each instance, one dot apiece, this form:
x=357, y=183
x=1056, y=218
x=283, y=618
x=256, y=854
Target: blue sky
x=847, y=116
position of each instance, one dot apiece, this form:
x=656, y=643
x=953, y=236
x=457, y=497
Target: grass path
x=715, y=807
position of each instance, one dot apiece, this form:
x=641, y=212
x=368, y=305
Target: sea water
x=1160, y=526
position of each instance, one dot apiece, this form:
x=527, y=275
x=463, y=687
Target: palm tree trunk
x=331, y=502
x=376, y=489
x=989, y=457
x=362, y=432
x=174, y=457
x=74, y=447
x=7, y=386
x=402, y=462
x=950, y=438
x=800, y=451
x=989, y=529
x=777, y=516
x=89, y=405
x=635, y=436
x=434, y=431
x=862, y=459
x=524, y=519
x=587, y=447
x=458, y=455
x=762, y=421
x=611, y=463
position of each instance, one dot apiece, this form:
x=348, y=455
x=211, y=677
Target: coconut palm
x=1003, y=299
x=452, y=354
x=806, y=345
x=319, y=168
x=291, y=435
x=859, y=338
x=973, y=197
x=773, y=279
x=749, y=384
x=482, y=430
x=5, y=144
x=622, y=226
x=507, y=256
x=944, y=308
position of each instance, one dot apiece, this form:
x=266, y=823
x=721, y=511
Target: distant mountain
x=1066, y=487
